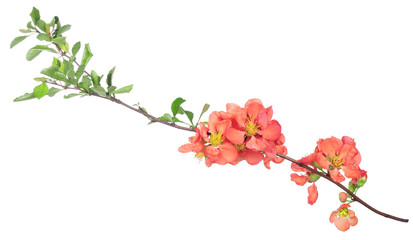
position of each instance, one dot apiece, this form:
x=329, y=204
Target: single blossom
x=343, y=218
x=336, y=154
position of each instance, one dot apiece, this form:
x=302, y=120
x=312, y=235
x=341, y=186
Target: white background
x=89, y=169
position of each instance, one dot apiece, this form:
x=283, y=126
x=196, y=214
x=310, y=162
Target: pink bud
x=342, y=196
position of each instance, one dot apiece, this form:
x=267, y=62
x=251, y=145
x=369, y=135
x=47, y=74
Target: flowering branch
x=354, y=197
x=241, y=133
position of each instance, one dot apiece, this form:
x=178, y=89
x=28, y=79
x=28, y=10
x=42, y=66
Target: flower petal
x=253, y=157
x=272, y=132
x=342, y=224
x=331, y=146
x=229, y=152
x=299, y=179
x=235, y=136
x=336, y=175
x=322, y=161
x=256, y=144
x=351, y=171
x=312, y=194
x=353, y=221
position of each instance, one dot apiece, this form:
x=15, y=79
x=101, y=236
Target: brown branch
x=355, y=198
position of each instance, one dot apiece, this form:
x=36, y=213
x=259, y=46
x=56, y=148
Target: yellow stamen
x=199, y=155
x=337, y=161
x=240, y=147
x=216, y=139
x=343, y=213
x=251, y=128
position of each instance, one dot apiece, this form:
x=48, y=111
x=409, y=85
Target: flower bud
x=342, y=196
x=361, y=182
x=351, y=187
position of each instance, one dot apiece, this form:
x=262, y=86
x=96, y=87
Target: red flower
x=343, y=218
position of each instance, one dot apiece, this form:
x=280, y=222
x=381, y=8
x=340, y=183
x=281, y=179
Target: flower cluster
x=333, y=157
x=247, y=133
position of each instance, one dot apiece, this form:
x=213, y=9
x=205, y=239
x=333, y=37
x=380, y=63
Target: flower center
x=337, y=161
x=216, y=139
x=251, y=128
x=240, y=147
x=343, y=213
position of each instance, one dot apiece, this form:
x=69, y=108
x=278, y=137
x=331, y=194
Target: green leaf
x=53, y=91
x=41, y=79
x=87, y=55
x=41, y=90
x=99, y=90
x=43, y=37
x=111, y=89
x=35, y=14
x=26, y=96
x=176, y=104
x=166, y=117
x=95, y=78
x=25, y=30
x=126, y=89
x=17, y=40
x=63, y=29
x=30, y=26
x=36, y=50
x=190, y=116
x=109, y=77
x=59, y=40
x=72, y=95
x=64, y=47
x=80, y=71
x=42, y=25
x=76, y=48
x=86, y=82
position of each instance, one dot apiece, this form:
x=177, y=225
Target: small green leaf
x=111, y=89
x=53, y=91
x=41, y=90
x=62, y=30
x=41, y=79
x=64, y=47
x=36, y=50
x=126, y=89
x=87, y=55
x=42, y=25
x=26, y=96
x=35, y=14
x=72, y=95
x=86, y=82
x=166, y=117
x=80, y=71
x=59, y=40
x=190, y=116
x=109, y=77
x=99, y=90
x=314, y=177
x=76, y=48
x=25, y=30
x=17, y=40
x=176, y=104
x=43, y=37
x=95, y=78
x=30, y=26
